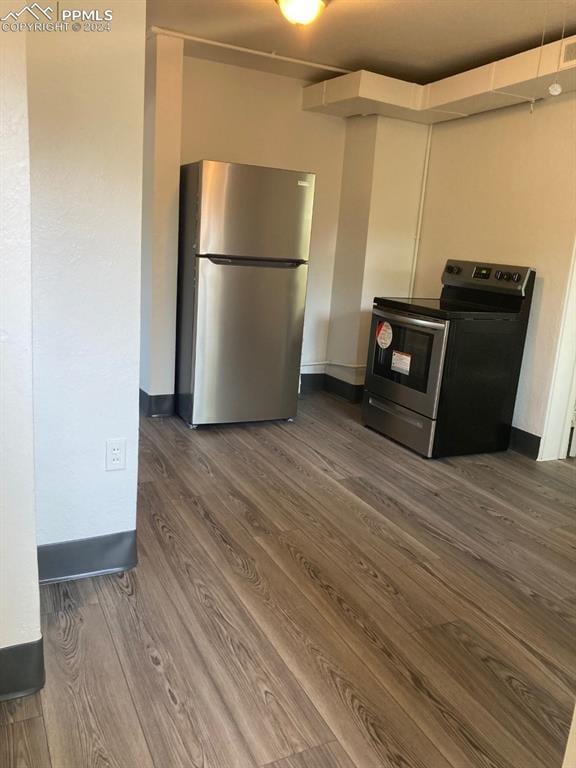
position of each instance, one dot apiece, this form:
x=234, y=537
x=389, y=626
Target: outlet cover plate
x=115, y=454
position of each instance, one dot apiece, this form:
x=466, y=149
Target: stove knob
x=499, y=274
x=450, y=269
x=456, y=270
x=516, y=276
x=507, y=276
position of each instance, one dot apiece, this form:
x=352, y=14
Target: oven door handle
x=417, y=321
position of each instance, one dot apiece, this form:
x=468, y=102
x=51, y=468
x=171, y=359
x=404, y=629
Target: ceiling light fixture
x=302, y=11
x=555, y=89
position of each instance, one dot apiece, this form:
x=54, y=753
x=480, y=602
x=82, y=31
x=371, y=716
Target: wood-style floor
x=311, y=595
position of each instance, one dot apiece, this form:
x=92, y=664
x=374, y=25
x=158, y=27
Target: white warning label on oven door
x=401, y=362
x=384, y=334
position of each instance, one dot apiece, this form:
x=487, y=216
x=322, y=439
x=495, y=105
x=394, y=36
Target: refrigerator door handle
x=274, y=263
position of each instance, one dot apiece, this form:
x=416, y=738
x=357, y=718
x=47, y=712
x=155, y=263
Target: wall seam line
x=424, y=189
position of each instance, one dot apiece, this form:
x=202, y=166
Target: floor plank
x=326, y=756
x=23, y=745
x=464, y=546
x=89, y=715
x=268, y=706
x=15, y=710
x=368, y=571
x=323, y=503
x=359, y=709
x=179, y=704
x=419, y=687
x=502, y=688
x=531, y=633
x=66, y=595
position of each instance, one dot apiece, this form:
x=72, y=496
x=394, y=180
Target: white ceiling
x=415, y=40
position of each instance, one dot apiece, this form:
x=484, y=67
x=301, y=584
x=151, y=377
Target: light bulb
x=301, y=11
x=555, y=89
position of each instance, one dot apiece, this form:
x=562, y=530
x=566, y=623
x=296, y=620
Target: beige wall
x=502, y=188
x=346, y=316
x=384, y=166
x=570, y=756
x=162, y=131
x=399, y=164
x=19, y=599
x=241, y=115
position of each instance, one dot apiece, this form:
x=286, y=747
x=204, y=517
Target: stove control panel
x=501, y=278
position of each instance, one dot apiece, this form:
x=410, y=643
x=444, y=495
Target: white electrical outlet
x=115, y=454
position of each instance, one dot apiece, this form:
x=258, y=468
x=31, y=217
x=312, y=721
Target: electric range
x=442, y=373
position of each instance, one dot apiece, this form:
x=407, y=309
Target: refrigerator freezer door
x=249, y=322
x=254, y=212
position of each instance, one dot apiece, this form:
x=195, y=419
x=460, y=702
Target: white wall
x=384, y=166
x=162, y=131
x=19, y=601
x=86, y=94
x=241, y=115
x=501, y=187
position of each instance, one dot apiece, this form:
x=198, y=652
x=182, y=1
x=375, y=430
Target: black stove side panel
x=481, y=372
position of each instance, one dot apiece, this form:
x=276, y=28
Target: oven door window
x=407, y=359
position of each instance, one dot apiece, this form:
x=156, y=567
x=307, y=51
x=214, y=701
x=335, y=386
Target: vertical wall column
x=382, y=184
x=86, y=103
x=21, y=662
x=162, y=139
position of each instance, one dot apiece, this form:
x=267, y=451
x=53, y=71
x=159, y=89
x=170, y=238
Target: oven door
x=405, y=360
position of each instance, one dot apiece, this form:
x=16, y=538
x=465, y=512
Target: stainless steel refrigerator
x=243, y=269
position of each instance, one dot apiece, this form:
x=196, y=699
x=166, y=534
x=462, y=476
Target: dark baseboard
x=322, y=382
x=165, y=405
x=157, y=405
x=81, y=558
x=21, y=670
x=524, y=443
x=311, y=382
x=351, y=392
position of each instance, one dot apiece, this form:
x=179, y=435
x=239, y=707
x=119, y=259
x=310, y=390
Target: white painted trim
x=554, y=443
x=324, y=365
x=333, y=362
x=250, y=51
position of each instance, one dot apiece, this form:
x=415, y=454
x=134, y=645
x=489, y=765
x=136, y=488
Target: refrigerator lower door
x=248, y=341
